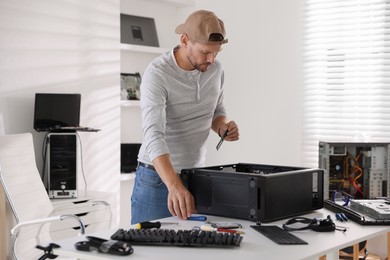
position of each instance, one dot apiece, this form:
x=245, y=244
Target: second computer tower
x=62, y=165
x=360, y=169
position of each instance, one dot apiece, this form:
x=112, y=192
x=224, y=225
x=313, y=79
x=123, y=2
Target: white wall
x=263, y=82
x=68, y=47
x=62, y=47
x=71, y=47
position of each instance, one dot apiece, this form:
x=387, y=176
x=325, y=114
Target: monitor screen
x=53, y=111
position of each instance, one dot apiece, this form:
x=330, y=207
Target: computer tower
x=62, y=165
x=360, y=170
x=255, y=192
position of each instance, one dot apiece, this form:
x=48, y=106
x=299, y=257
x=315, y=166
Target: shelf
x=130, y=103
x=141, y=48
x=178, y=3
x=127, y=176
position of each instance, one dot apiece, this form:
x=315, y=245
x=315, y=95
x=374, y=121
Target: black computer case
x=62, y=165
x=255, y=192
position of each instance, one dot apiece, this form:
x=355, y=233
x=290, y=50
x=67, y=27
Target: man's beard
x=199, y=66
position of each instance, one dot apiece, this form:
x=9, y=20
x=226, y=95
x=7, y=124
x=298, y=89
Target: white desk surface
x=253, y=246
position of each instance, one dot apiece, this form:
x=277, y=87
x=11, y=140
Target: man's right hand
x=180, y=201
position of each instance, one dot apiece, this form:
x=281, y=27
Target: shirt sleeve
x=153, y=111
x=220, y=108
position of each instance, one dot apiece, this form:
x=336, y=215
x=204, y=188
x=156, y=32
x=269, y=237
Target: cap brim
x=180, y=29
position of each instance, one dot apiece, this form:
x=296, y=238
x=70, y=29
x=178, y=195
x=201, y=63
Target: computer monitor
x=56, y=110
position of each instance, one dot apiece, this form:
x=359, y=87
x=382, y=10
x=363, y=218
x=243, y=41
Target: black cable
x=96, y=244
x=44, y=157
x=319, y=225
x=82, y=162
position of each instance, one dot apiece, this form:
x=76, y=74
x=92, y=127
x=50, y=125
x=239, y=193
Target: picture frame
x=138, y=30
x=130, y=86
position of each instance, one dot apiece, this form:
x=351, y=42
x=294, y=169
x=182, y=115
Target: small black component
x=279, y=235
x=96, y=244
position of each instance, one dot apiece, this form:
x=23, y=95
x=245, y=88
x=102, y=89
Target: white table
x=253, y=246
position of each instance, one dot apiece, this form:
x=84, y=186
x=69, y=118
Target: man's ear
x=184, y=39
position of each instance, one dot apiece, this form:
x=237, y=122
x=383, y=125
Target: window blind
x=346, y=73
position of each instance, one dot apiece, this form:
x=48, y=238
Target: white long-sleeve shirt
x=178, y=108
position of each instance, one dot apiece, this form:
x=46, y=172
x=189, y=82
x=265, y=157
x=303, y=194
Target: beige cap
x=200, y=25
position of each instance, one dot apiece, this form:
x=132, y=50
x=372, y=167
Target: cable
x=350, y=174
x=319, y=225
x=356, y=169
x=82, y=161
x=44, y=157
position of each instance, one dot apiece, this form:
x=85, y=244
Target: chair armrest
x=15, y=229
x=107, y=205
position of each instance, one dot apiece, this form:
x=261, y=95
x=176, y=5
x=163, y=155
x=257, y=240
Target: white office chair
x=27, y=196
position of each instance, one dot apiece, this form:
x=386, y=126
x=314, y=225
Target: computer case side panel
x=255, y=192
x=289, y=194
x=223, y=194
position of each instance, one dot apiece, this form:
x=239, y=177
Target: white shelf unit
x=127, y=183
x=130, y=103
x=167, y=14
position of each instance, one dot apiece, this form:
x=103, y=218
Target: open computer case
x=255, y=192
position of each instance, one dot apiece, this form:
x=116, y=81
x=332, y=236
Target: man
x=181, y=100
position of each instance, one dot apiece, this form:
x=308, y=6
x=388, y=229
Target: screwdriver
x=222, y=139
x=148, y=224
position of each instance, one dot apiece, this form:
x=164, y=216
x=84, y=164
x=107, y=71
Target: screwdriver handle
x=148, y=225
x=198, y=218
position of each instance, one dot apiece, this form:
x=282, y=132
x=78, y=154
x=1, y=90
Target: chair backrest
x=22, y=184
